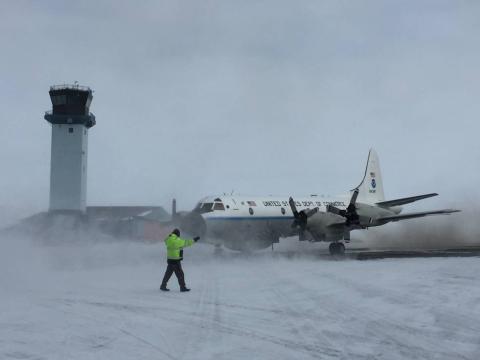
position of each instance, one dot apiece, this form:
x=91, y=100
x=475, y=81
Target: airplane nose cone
x=193, y=224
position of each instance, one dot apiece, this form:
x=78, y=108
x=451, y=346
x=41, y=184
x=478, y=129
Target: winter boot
x=184, y=289
x=164, y=288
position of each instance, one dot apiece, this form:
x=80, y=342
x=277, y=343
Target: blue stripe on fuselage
x=240, y=218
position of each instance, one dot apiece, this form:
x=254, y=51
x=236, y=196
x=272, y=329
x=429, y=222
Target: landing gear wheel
x=332, y=247
x=336, y=248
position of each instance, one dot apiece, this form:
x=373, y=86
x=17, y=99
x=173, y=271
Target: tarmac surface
x=101, y=301
x=390, y=254
x=365, y=253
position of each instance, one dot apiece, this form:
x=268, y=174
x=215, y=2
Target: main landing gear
x=336, y=248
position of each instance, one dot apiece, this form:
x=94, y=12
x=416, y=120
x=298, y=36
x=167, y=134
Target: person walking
x=175, y=245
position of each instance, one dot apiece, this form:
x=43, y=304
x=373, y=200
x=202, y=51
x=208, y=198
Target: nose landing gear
x=336, y=248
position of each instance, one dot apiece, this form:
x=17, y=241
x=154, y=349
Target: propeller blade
x=293, y=207
x=334, y=210
x=353, y=200
x=310, y=212
x=351, y=213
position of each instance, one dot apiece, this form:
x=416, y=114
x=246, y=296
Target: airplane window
x=204, y=208
x=250, y=210
x=218, y=206
x=228, y=206
x=283, y=211
x=207, y=206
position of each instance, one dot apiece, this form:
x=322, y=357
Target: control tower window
x=218, y=206
x=74, y=100
x=59, y=100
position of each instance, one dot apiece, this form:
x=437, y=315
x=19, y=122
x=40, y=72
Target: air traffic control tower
x=71, y=119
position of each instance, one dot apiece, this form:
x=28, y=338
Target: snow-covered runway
x=103, y=302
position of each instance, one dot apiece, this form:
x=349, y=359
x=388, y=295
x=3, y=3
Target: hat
x=176, y=232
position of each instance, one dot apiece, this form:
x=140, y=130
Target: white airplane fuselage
x=249, y=222
x=255, y=222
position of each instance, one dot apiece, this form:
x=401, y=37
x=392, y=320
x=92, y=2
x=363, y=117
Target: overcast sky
x=261, y=97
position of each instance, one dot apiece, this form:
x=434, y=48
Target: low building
x=148, y=223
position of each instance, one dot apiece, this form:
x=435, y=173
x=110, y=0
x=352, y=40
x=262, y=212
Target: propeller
x=350, y=213
x=301, y=218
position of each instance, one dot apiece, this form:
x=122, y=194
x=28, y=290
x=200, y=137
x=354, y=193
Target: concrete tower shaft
x=71, y=119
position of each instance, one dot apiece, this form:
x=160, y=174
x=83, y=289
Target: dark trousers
x=174, y=266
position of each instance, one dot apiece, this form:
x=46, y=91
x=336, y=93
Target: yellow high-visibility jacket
x=174, y=245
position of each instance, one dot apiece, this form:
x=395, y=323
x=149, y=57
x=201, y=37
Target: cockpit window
x=207, y=207
x=204, y=208
x=218, y=206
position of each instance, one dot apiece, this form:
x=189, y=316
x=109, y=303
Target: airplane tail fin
x=370, y=190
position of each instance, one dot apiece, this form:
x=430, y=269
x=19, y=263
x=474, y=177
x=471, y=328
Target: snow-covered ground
x=102, y=302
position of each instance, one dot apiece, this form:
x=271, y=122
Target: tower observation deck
x=71, y=119
x=71, y=105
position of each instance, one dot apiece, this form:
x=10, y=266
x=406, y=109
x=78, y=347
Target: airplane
x=248, y=223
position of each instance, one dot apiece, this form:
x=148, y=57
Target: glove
x=196, y=238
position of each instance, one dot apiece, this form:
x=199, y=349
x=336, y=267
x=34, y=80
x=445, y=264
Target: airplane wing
x=404, y=201
x=417, y=214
